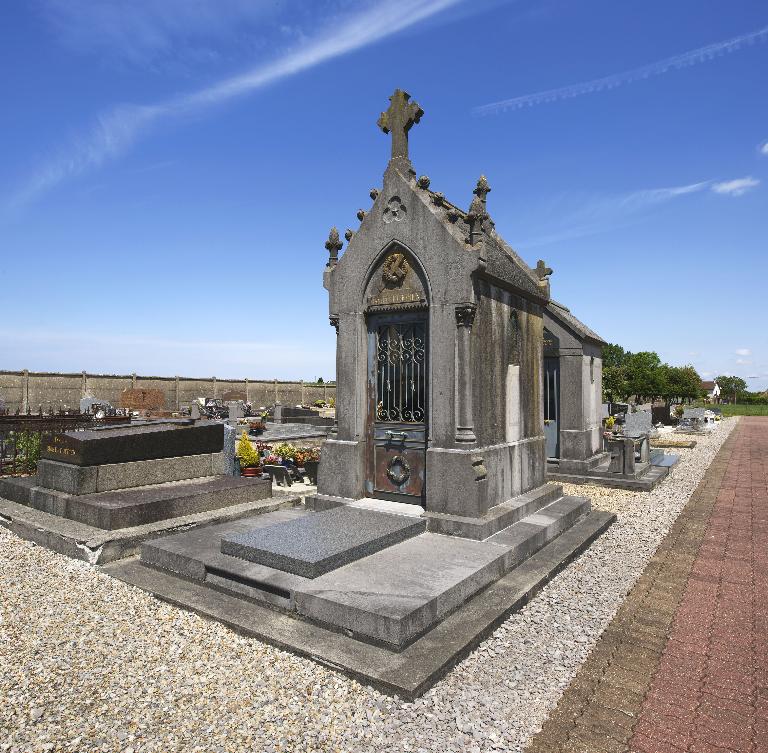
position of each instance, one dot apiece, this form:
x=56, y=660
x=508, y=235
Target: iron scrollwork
x=400, y=372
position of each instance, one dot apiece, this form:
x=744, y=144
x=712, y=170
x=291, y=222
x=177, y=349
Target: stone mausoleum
x=576, y=449
x=432, y=518
x=439, y=353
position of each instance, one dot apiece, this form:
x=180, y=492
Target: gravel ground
x=90, y=664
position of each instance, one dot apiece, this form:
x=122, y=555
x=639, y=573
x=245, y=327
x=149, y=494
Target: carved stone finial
x=397, y=119
x=361, y=214
x=423, y=182
x=374, y=193
x=333, y=244
x=482, y=189
x=348, y=234
x=476, y=216
x=542, y=271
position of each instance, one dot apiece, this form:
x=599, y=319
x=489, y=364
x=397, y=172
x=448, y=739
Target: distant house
x=712, y=391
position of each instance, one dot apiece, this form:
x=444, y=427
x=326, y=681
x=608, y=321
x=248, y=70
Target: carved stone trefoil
x=395, y=210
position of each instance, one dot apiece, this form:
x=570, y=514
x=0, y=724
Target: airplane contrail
x=684, y=60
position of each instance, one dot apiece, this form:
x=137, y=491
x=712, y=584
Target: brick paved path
x=683, y=667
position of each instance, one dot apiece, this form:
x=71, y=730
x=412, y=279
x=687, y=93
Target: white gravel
x=90, y=664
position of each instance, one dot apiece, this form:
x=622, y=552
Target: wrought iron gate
x=397, y=368
x=552, y=406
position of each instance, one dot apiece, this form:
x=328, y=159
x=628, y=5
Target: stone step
x=497, y=518
x=394, y=596
x=149, y=504
x=90, y=479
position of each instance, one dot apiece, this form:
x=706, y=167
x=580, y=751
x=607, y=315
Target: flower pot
x=253, y=471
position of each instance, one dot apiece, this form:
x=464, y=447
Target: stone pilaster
x=465, y=317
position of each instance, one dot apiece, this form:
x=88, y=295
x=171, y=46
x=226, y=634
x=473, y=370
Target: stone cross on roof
x=542, y=270
x=397, y=119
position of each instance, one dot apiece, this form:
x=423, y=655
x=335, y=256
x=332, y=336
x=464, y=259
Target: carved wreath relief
x=394, y=270
x=398, y=470
x=395, y=210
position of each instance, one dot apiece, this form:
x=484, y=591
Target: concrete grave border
x=407, y=674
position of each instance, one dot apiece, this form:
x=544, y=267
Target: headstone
x=638, y=423
x=130, y=443
x=277, y=413
x=143, y=400
x=194, y=411
x=231, y=395
x=236, y=409
x=231, y=466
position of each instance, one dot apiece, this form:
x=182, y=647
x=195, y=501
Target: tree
x=644, y=376
x=614, y=377
x=731, y=387
x=679, y=383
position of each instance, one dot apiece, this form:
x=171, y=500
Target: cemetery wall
x=23, y=389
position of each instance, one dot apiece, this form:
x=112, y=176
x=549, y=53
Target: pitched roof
x=502, y=260
x=709, y=385
x=564, y=315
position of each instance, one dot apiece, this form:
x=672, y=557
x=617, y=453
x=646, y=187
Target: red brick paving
x=683, y=667
x=712, y=678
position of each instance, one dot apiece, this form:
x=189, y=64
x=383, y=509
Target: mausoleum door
x=397, y=412
x=552, y=406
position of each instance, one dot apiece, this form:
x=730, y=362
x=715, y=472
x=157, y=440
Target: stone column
x=302, y=392
x=275, y=383
x=25, y=391
x=247, y=393
x=465, y=317
x=177, y=396
x=133, y=381
x=214, y=386
x=84, y=386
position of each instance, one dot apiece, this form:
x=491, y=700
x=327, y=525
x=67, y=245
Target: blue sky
x=170, y=169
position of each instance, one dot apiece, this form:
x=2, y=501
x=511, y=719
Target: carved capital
x=465, y=314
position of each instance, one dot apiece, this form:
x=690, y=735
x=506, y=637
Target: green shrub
x=247, y=454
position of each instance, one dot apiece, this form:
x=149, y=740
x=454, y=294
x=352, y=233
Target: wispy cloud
x=744, y=361
x=743, y=352
x=596, y=215
x=684, y=60
x=116, y=130
x=143, y=32
x=737, y=187
x=764, y=149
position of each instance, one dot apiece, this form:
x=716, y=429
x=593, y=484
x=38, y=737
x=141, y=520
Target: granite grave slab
x=130, y=443
x=318, y=543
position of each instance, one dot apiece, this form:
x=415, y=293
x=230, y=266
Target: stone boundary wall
x=32, y=389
